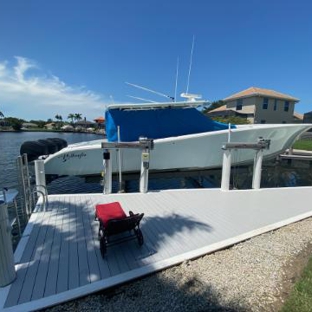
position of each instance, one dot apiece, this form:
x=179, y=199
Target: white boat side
x=193, y=151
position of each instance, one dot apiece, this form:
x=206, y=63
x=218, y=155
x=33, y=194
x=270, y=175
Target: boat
x=184, y=139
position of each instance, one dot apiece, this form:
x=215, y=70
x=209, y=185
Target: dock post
x=226, y=170
x=256, y=177
x=7, y=268
x=144, y=171
x=40, y=177
x=107, y=172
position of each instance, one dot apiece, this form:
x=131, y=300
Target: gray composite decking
x=59, y=258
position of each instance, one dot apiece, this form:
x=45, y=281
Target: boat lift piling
x=107, y=163
x=145, y=144
x=260, y=146
x=41, y=188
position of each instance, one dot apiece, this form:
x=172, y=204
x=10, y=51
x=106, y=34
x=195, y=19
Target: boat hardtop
x=156, y=105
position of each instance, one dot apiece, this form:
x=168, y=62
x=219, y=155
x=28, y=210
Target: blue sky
x=74, y=56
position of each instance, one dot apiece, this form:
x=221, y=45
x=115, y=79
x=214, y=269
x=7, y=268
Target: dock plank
x=88, y=224
x=73, y=277
x=40, y=282
x=62, y=282
x=84, y=277
x=26, y=261
x=50, y=287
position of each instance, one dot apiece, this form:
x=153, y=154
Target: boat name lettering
x=68, y=156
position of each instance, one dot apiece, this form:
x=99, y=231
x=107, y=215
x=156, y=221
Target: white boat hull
x=188, y=152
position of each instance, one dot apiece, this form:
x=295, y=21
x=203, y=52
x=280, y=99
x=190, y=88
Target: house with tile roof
x=259, y=106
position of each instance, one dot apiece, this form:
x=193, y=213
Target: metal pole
x=28, y=185
x=107, y=162
x=226, y=170
x=23, y=185
x=256, y=177
x=40, y=177
x=144, y=171
x=7, y=268
x=119, y=161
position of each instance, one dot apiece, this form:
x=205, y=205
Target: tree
x=58, y=117
x=15, y=123
x=71, y=117
x=39, y=123
x=1, y=115
x=59, y=120
x=213, y=105
x=78, y=117
x=234, y=120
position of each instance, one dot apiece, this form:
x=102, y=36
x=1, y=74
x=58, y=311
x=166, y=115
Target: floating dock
x=58, y=257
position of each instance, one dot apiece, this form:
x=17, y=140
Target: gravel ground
x=255, y=275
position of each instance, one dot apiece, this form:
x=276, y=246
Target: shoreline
x=52, y=131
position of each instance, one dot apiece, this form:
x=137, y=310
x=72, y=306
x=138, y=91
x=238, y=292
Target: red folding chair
x=113, y=221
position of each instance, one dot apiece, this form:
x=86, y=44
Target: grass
x=303, y=145
x=300, y=300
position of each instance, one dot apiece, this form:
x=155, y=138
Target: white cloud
x=25, y=94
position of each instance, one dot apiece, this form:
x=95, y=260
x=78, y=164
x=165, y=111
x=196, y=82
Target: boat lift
x=260, y=146
x=145, y=144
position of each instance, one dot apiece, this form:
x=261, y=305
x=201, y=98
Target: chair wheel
x=140, y=237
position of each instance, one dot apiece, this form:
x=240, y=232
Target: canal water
x=10, y=143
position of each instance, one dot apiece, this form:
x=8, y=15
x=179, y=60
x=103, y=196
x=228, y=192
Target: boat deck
x=58, y=258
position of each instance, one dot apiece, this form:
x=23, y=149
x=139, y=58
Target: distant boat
x=184, y=139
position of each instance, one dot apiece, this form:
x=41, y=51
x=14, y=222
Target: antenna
x=189, y=96
x=150, y=90
x=190, y=68
x=141, y=99
x=176, y=83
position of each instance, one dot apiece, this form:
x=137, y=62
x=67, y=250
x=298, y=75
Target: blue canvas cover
x=157, y=123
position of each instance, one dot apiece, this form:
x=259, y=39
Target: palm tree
x=71, y=117
x=57, y=117
x=78, y=117
x=1, y=115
